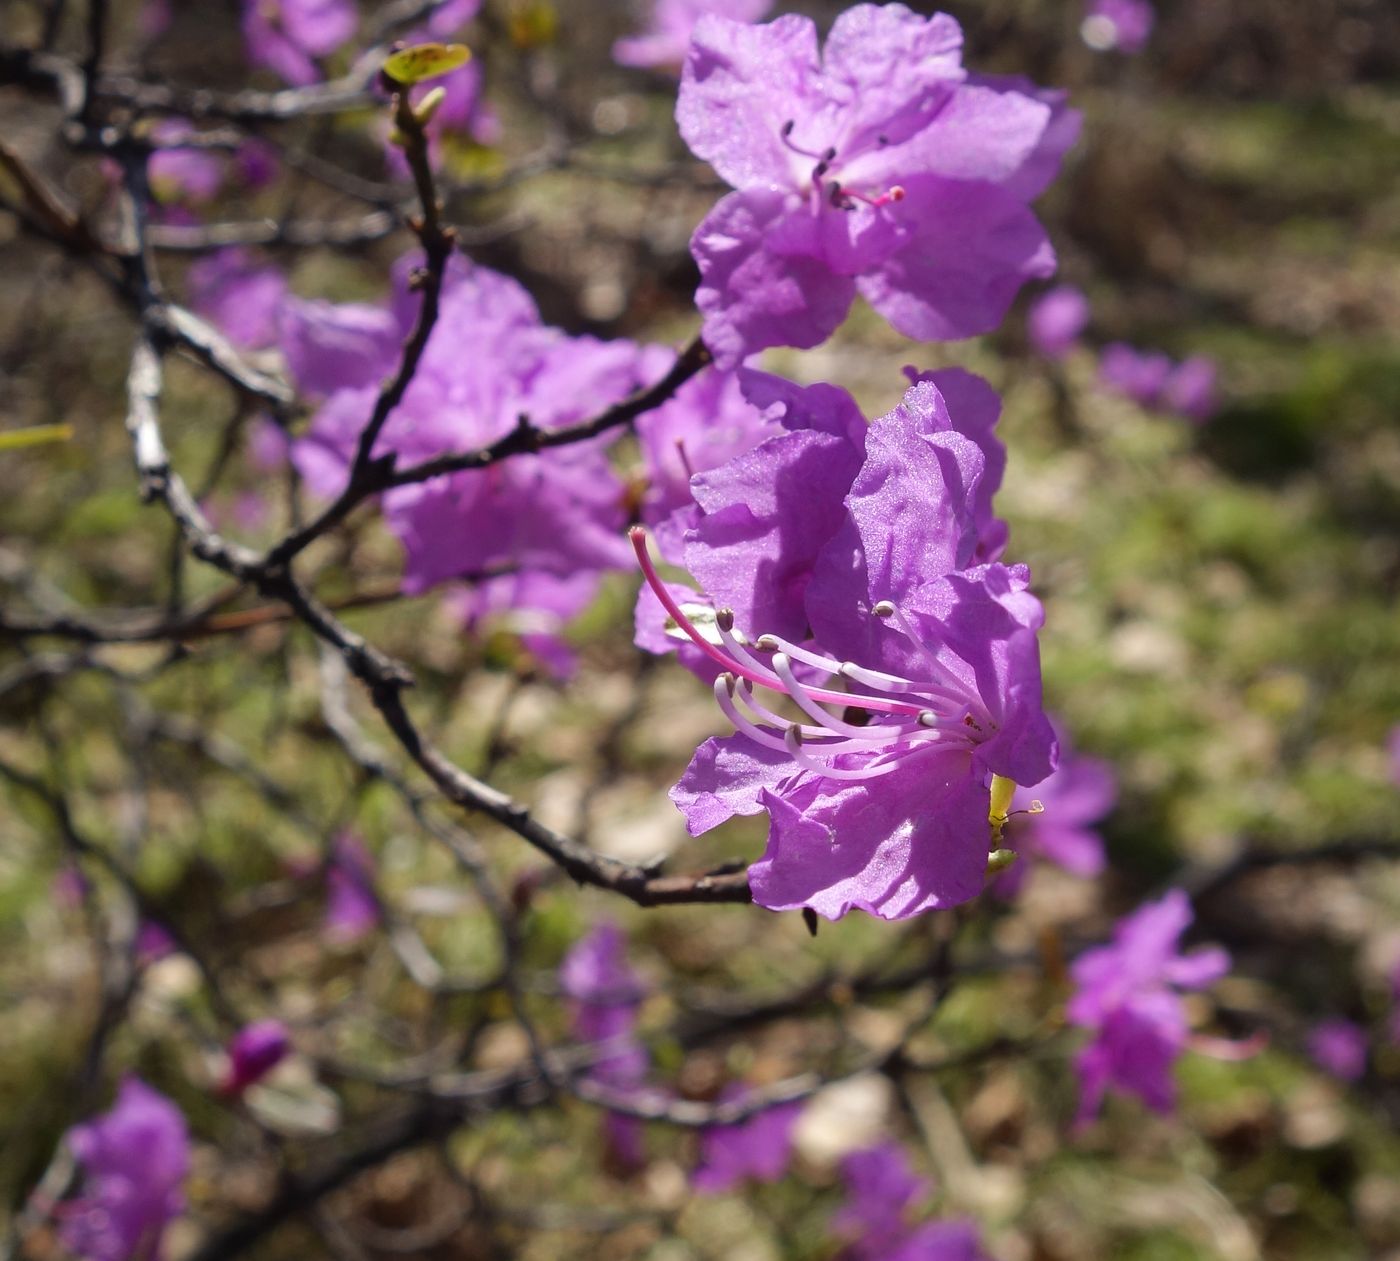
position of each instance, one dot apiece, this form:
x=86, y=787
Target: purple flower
x=134, y=1159
x=534, y=605
x=1076, y=796
x=332, y=349
x=881, y=1189
x=1151, y=379
x=1339, y=1047
x=1056, y=320
x=1118, y=25
x=153, y=943
x=856, y=561
x=240, y=296
x=1126, y=994
x=1191, y=390
x=449, y=18
x=560, y=512
x=352, y=910
x=253, y=1052
x=285, y=36
x=882, y=168
x=758, y=1148
x=708, y=422
x=69, y=887
x=605, y=994
x=1140, y=375
x=664, y=42
x=188, y=175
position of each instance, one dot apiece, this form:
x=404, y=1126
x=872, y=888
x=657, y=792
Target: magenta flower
x=758, y=1148
x=69, y=887
x=664, y=42
x=1056, y=319
x=352, y=909
x=1191, y=390
x=134, y=1160
x=1151, y=379
x=534, y=605
x=882, y=168
x=858, y=566
x=1126, y=994
x=881, y=1190
x=153, y=943
x=605, y=995
x=560, y=512
x=1339, y=1047
x=241, y=297
x=286, y=36
x=253, y=1052
x=1118, y=25
x=708, y=422
x=183, y=175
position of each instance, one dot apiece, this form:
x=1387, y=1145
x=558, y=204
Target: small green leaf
x=425, y=61
x=34, y=436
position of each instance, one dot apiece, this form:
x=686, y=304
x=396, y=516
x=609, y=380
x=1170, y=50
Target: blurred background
x=1220, y=578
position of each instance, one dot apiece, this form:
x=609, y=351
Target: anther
x=883, y=608
x=724, y=619
x=766, y=643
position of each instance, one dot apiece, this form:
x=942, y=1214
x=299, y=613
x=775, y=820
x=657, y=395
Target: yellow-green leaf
x=34, y=436
x=425, y=61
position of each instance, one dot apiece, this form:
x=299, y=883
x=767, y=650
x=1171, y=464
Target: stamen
x=827, y=155
x=724, y=694
x=792, y=742
x=783, y=668
x=685, y=459
x=638, y=536
x=880, y=733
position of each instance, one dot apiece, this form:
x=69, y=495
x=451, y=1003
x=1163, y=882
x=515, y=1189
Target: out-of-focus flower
x=1056, y=319
x=758, y=1148
x=1077, y=795
x=1126, y=994
x=559, y=512
x=879, y=166
x=1339, y=1047
x=535, y=606
x=1118, y=25
x=662, y=45
x=153, y=943
x=605, y=994
x=286, y=36
x=239, y=295
x=881, y=1190
x=352, y=910
x=183, y=175
x=1151, y=379
x=253, y=1052
x=135, y=1160
x=69, y=886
